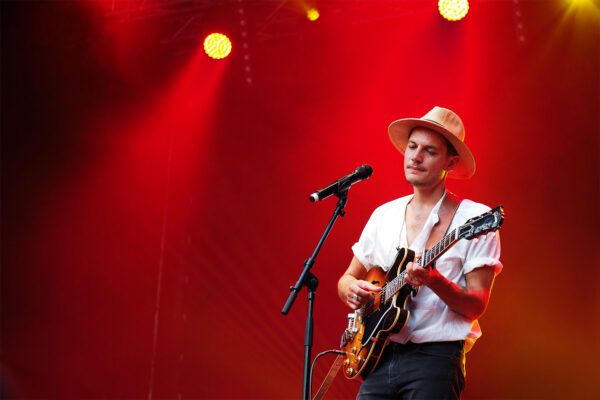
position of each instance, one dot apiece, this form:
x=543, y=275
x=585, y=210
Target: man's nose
x=417, y=155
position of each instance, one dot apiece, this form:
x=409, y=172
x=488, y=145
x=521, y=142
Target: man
x=425, y=360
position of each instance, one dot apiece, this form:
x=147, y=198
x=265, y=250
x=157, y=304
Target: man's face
x=426, y=158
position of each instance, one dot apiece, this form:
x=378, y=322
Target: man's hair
x=450, y=150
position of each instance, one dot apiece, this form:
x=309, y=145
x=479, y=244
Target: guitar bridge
x=352, y=329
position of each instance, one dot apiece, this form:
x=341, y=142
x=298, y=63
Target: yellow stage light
x=584, y=10
x=217, y=46
x=453, y=10
x=589, y=5
x=312, y=14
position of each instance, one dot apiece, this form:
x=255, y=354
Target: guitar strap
x=451, y=202
x=335, y=367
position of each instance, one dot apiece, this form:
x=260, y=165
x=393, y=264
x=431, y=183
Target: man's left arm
x=481, y=267
x=470, y=301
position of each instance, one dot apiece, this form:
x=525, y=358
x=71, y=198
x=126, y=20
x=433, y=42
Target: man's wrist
x=435, y=279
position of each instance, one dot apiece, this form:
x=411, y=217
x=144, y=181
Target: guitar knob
x=353, y=350
x=346, y=362
x=350, y=371
x=359, y=359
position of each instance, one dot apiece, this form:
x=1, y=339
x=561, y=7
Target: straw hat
x=447, y=124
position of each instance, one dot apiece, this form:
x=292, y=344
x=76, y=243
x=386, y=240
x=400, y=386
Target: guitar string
x=368, y=308
x=399, y=281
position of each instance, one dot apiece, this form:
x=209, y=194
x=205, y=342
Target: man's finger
x=368, y=286
x=363, y=294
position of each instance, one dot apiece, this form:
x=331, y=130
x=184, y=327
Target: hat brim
x=400, y=130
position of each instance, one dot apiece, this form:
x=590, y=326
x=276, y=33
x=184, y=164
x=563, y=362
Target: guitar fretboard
x=428, y=257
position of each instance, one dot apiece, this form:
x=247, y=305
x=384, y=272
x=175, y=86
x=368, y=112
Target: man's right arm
x=352, y=283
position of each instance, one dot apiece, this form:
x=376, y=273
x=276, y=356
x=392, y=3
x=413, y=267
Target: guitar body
x=367, y=335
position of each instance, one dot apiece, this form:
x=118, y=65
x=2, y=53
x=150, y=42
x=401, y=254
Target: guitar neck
x=428, y=258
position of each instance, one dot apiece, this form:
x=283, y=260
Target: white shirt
x=431, y=320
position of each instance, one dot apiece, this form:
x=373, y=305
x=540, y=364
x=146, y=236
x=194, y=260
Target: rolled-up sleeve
x=482, y=252
x=364, y=249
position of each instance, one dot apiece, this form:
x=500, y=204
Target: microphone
x=341, y=185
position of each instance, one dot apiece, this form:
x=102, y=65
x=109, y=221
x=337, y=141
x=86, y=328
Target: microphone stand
x=311, y=282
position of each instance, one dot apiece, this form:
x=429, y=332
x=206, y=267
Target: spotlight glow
x=217, y=46
x=312, y=14
x=585, y=6
x=453, y=10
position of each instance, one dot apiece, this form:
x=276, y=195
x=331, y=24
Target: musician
x=425, y=360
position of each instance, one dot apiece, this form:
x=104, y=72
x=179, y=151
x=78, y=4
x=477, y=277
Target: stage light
x=217, y=46
x=591, y=5
x=453, y=10
x=312, y=14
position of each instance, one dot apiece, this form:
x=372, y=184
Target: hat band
x=435, y=122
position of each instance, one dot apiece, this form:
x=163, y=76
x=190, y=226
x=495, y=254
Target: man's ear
x=452, y=161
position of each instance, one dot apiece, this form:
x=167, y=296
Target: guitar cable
x=343, y=353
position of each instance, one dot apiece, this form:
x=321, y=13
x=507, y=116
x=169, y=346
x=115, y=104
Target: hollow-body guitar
x=369, y=327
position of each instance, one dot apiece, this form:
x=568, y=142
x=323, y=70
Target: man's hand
x=417, y=276
x=470, y=301
x=353, y=290
x=359, y=293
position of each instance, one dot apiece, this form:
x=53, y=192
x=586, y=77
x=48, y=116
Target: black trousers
x=417, y=371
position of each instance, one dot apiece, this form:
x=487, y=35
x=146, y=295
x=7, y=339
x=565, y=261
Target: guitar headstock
x=487, y=222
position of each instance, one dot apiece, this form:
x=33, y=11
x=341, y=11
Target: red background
x=155, y=204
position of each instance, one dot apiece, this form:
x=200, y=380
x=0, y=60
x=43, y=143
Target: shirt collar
x=421, y=239
x=436, y=209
